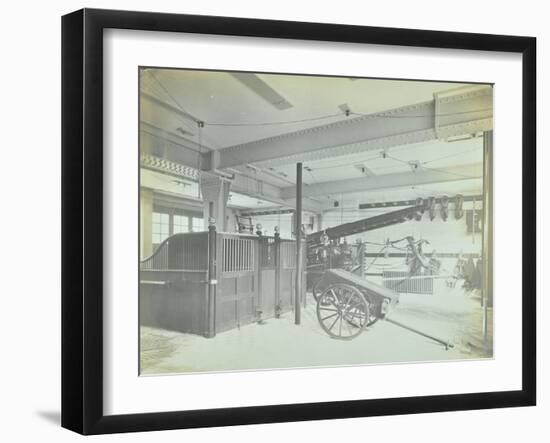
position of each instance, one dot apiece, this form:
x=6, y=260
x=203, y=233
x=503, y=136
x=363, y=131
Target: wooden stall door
x=173, y=291
x=267, y=297
x=287, y=275
x=236, y=296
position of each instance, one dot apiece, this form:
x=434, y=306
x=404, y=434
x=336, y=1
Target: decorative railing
x=238, y=253
x=186, y=251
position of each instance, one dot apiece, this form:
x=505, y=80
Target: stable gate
x=236, y=292
x=208, y=282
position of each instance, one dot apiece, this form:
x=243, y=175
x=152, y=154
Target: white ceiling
x=435, y=154
x=219, y=98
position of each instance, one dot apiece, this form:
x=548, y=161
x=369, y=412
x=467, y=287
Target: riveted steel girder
x=456, y=112
x=398, y=180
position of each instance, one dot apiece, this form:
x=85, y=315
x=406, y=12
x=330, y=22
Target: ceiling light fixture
x=414, y=165
x=344, y=107
x=364, y=170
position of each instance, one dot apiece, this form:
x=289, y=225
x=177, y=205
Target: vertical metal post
x=298, y=230
x=260, y=248
x=474, y=220
x=212, y=280
x=487, y=243
x=278, y=307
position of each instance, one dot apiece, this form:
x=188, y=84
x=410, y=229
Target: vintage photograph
x=299, y=221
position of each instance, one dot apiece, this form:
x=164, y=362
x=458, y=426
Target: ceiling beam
x=192, y=120
x=240, y=183
x=387, y=181
x=460, y=111
x=160, y=143
x=259, y=189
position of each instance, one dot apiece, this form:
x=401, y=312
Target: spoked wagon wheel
x=316, y=289
x=342, y=311
x=372, y=319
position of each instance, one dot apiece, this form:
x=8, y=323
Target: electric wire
x=201, y=124
x=275, y=123
x=312, y=119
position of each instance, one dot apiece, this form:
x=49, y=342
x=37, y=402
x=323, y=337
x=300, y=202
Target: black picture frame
x=82, y=218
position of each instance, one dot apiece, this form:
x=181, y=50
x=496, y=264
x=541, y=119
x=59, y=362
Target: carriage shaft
x=423, y=334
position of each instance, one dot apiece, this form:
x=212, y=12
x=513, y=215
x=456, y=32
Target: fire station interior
x=268, y=199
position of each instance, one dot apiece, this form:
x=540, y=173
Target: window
x=169, y=221
x=474, y=221
x=181, y=223
x=197, y=224
x=161, y=227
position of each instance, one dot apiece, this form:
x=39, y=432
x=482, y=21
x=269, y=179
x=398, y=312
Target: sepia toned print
x=296, y=221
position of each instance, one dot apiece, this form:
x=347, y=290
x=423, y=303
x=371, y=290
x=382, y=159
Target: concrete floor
x=278, y=343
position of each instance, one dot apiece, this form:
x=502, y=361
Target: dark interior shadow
x=54, y=417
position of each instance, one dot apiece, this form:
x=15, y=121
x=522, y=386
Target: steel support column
x=298, y=230
x=487, y=245
x=212, y=282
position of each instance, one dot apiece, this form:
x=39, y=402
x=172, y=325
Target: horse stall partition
x=268, y=300
x=256, y=279
x=174, y=285
x=237, y=281
x=206, y=283
x=287, y=271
